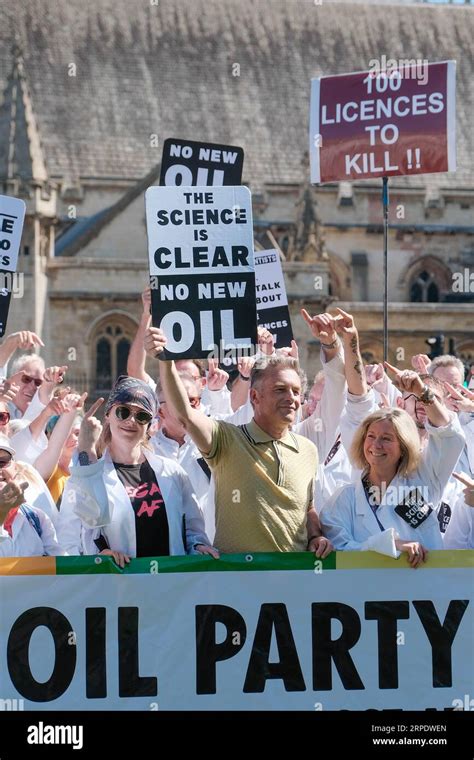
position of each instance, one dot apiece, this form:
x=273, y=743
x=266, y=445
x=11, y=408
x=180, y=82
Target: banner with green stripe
x=356, y=631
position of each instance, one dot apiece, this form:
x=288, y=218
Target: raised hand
x=24, y=340
x=265, y=341
x=73, y=401
x=57, y=405
x=469, y=490
x=155, y=341
x=55, y=375
x=91, y=428
x=345, y=325
x=12, y=494
x=8, y=391
x=216, y=377
x=462, y=399
x=146, y=301
x=406, y=380
x=322, y=326
x=420, y=363
x=291, y=351
x=245, y=364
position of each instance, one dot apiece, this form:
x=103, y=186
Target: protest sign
x=186, y=162
x=202, y=272
x=272, y=303
x=12, y=216
x=383, y=123
x=356, y=631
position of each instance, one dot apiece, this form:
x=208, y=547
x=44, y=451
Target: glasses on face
x=419, y=406
x=124, y=412
x=25, y=379
x=4, y=461
x=4, y=418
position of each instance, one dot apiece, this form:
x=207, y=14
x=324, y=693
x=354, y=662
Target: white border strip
x=313, y=131
x=451, y=114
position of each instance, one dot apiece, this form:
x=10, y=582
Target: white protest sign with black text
x=186, y=162
x=202, y=273
x=12, y=217
x=272, y=303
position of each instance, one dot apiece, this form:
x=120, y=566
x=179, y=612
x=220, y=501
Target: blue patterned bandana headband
x=130, y=390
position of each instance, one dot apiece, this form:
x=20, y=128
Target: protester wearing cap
x=130, y=502
x=25, y=530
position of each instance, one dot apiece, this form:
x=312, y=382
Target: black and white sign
x=185, y=162
x=202, y=275
x=272, y=303
x=12, y=216
x=414, y=509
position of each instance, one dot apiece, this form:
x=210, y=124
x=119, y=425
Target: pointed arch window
x=424, y=288
x=112, y=346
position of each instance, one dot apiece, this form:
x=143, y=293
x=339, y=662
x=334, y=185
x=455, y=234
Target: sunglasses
x=25, y=379
x=123, y=413
x=4, y=418
x=5, y=462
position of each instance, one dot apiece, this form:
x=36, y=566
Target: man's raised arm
x=195, y=422
x=136, y=356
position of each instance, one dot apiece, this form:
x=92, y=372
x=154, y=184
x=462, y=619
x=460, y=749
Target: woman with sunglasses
x=25, y=529
x=131, y=502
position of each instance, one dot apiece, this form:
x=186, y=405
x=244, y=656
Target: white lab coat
x=322, y=428
x=26, y=447
x=349, y=522
x=460, y=531
x=95, y=501
x=25, y=541
x=466, y=460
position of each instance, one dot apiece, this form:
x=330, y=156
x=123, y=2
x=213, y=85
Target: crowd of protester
x=189, y=462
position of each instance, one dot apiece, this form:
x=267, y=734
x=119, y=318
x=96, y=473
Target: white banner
x=315, y=639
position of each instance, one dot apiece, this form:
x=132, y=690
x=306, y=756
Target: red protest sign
x=383, y=123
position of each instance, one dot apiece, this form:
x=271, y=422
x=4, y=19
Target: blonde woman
x=390, y=507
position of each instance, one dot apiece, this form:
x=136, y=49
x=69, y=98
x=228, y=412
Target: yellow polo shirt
x=57, y=482
x=263, y=488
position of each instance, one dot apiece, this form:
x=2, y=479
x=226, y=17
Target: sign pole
x=385, y=267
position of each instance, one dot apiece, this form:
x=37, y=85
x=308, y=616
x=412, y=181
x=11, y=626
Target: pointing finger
x=464, y=479
x=392, y=369
x=94, y=407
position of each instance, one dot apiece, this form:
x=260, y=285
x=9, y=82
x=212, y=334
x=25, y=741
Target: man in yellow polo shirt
x=263, y=472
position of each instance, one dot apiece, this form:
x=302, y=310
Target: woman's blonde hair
x=407, y=436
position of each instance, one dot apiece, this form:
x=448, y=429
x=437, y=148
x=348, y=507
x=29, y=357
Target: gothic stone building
x=90, y=91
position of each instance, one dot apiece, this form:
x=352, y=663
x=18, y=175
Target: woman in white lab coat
x=130, y=502
x=390, y=507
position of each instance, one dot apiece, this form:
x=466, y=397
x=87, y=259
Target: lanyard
x=369, y=495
